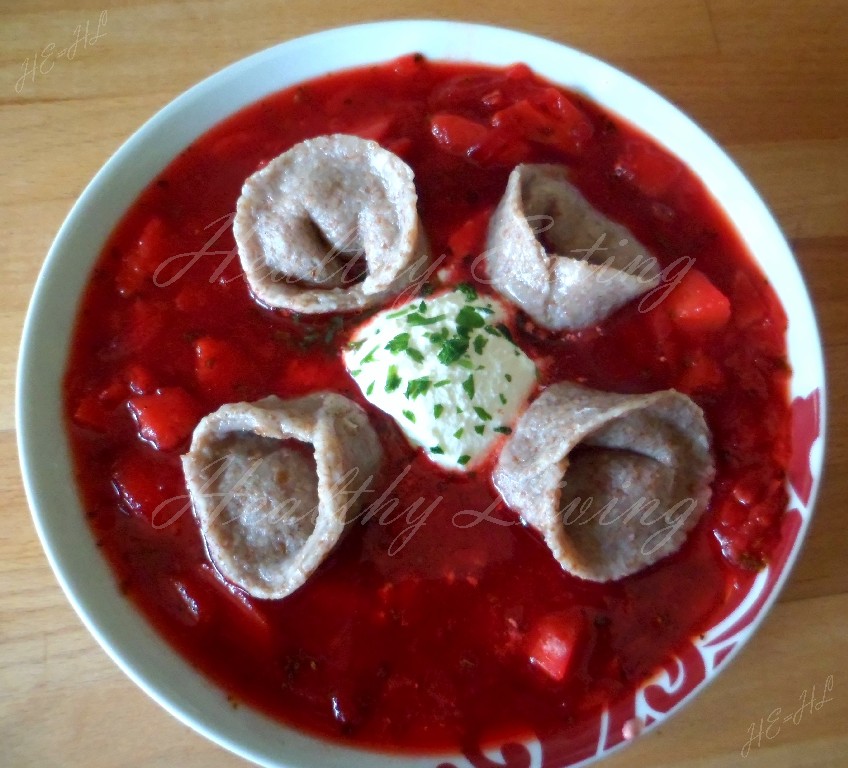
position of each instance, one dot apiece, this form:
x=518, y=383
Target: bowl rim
x=141, y=157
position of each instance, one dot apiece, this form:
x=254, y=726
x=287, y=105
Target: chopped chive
x=468, y=386
x=458, y=434
x=398, y=344
x=502, y=398
x=503, y=430
x=415, y=355
x=393, y=315
x=480, y=428
x=370, y=388
x=418, y=387
x=418, y=319
x=438, y=410
x=464, y=362
x=369, y=358
x=393, y=379
x=463, y=460
x=441, y=383
x=409, y=415
x=356, y=372
x=482, y=413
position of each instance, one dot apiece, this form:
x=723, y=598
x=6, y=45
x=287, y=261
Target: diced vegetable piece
x=567, y=129
x=135, y=483
x=93, y=413
x=552, y=644
x=141, y=261
x=696, y=305
x=139, y=379
x=165, y=418
x=222, y=369
x=146, y=320
x=647, y=168
x=702, y=373
x=375, y=129
x=470, y=237
x=457, y=135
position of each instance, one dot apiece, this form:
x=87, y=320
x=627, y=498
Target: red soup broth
x=417, y=632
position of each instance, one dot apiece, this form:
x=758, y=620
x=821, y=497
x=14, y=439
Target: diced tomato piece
x=469, y=238
x=457, y=135
x=240, y=606
x=519, y=71
x=376, y=129
x=135, y=483
x=139, y=379
x=146, y=320
x=502, y=147
x=400, y=146
x=553, y=642
x=568, y=129
x=142, y=260
x=166, y=417
x=647, y=168
x=696, y=305
x=702, y=373
x=222, y=370
x=93, y=413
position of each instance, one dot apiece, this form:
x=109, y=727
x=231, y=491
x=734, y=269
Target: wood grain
x=765, y=78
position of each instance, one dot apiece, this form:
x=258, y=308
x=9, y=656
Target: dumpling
x=273, y=482
x=330, y=226
x=540, y=252
x=612, y=482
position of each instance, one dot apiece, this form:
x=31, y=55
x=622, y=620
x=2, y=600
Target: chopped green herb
x=468, y=291
x=356, y=345
x=491, y=330
x=508, y=376
x=463, y=460
x=438, y=410
x=458, y=434
x=416, y=318
x=399, y=313
x=487, y=310
x=503, y=430
x=370, y=388
x=480, y=343
x=464, y=362
x=415, y=355
x=467, y=319
x=441, y=383
x=482, y=413
x=369, y=358
x=452, y=350
x=502, y=398
x=504, y=331
x=392, y=379
x=398, y=344
x=480, y=428
x=409, y=415
x=459, y=411
x=422, y=307
x=356, y=372
x=418, y=387
x=437, y=337
x=468, y=386
x=437, y=449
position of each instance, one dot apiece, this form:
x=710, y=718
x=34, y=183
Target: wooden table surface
x=768, y=79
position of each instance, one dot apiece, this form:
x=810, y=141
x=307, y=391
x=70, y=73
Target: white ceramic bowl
x=67, y=539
